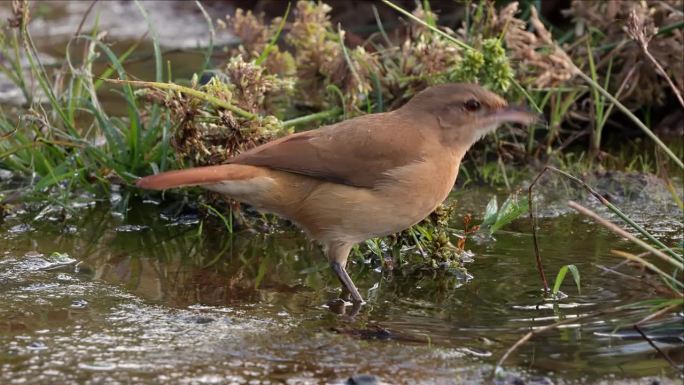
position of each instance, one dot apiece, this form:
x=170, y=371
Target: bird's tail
x=200, y=176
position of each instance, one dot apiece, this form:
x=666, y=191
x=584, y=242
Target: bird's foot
x=348, y=286
x=344, y=308
x=345, y=295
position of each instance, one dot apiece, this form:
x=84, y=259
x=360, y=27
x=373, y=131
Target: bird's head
x=463, y=113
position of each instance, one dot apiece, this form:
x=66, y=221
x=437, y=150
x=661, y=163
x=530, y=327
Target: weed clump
x=603, y=24
x=538, y=63
x=207, y=134
x=428, y=245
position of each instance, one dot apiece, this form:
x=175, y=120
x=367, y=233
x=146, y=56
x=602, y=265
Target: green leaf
x=274, y=39
x=510, y=210
x=561, y=276
x=575, y=276
x=490, y=212
x=55, y=178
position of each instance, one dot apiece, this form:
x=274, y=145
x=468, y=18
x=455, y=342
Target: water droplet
x=36, y=345
x=97, y=366
x=20, y=229
x=131, y=228
x=79, y=304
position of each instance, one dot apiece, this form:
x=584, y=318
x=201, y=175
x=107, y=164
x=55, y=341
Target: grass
x=58, y=142
x=562, y=272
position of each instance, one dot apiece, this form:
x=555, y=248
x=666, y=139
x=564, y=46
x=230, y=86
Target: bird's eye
x=471, y=105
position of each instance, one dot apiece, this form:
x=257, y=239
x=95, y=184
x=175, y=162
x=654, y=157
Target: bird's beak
x=514, y=114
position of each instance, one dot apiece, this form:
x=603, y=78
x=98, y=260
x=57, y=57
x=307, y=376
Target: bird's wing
x=355, y=152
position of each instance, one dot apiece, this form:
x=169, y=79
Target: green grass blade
x=561, y=277
x=490, y=212
x=212, y=32
x=158, y=74
x=274, y=38
x=228, y=224
x=510, y=210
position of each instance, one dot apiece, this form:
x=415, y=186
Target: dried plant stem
x=654, y=346
x=224, y=104
x=630, y=115
x=673, y=257
x=190, y=91
x=641, y=261
x=8, y=134
x=533, y=220
x=663, y=73
x=313, y=117
x=612, y=208
x=624, y=234
x=426, y=25
x=658, y=314
x=542, y=329
x=548, y=39
x=638, y=32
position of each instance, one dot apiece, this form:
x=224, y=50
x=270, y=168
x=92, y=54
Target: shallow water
x=162, y=296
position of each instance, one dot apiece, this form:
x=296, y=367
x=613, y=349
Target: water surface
x=163, y=295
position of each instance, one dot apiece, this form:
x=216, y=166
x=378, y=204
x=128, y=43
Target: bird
x=364, y=177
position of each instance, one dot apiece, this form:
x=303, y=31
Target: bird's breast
x=421, y=186
x=403, y=198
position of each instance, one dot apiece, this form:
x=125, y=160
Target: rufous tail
x=199, y=176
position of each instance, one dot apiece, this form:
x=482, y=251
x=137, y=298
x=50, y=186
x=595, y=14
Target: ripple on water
x=64, y=324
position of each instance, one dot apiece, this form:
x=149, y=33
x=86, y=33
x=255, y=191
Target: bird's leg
x=345, y=295
x=347, y=284
x=338, y=254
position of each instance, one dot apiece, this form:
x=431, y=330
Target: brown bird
x=365, y=177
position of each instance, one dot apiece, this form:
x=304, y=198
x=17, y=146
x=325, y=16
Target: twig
x=650, y=342
x=637, y=31
x=308, y=118
x=614, y=209
x=542, y=329
x=190, y=91
x=624, y=234
x=537, y=255
x=659, y=313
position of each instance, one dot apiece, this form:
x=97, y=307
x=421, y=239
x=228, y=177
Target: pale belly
x=336, y=212
x=353, y=215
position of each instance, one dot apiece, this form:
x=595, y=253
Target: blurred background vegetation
x=301, y=64
x=99, y=112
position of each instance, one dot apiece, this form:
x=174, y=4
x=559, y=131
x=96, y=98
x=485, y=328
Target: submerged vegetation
x=612, y=72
